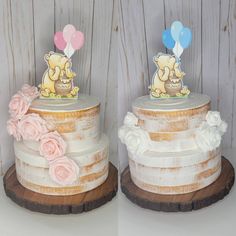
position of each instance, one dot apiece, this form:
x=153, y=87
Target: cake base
x=61, y=204
x=181, y=202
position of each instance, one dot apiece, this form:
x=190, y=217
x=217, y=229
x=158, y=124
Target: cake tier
x=173, y=144
x=77, y=120
x=172, y=118
x=175, y=173
x=33, y=169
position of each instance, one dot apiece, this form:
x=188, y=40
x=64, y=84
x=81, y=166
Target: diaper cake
x=59, y=148
x=172, y=137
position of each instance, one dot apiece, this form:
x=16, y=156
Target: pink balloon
x=77, y=40
x=59, y=40
x=68, y=31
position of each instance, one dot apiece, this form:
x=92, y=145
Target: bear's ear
x=47, y=56
x=173, y=59
x=155, y=59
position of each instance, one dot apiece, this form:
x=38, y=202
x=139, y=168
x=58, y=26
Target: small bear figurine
x=167, y=80
x=57, y=79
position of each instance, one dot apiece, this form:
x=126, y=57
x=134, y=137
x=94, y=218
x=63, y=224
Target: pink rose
x=12, y=129
x=63, y=171
x=30, y=91
x=32, y=127
x=52, y=146
x=18, y=105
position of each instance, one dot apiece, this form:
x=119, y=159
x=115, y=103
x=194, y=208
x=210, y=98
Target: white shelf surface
x=217, y=219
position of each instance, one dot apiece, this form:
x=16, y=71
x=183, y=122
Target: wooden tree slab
x=181, y=202
x=61, y=204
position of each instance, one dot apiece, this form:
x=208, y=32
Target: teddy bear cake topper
x=167, y=81
x=57, y=81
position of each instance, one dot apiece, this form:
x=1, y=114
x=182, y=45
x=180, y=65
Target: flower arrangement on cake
x=31, y=127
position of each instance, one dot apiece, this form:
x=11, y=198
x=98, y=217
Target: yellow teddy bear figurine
x=59, y=68
x=168, y=70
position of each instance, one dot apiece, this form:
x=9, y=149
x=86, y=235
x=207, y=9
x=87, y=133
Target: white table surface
x=217, y=219
x=122, y=217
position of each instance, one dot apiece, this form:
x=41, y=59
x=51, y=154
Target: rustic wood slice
x=61, y=204
x=182, y=202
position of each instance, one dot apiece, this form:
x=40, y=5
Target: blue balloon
x=176, y=27
x=167, y=39
x=185, y=37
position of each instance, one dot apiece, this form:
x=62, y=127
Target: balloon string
x=177, y=50
x=177, y=44
x=67, y=50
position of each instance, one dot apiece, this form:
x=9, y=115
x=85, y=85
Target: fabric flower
x=135, y=138
x=30, y=91
x=222, y=127
x=63, y=171
x=122, y=132
x=208, y=137
x=213, y=118
x=130, y=119
x=12, y=129
x=18, y=105
x=52, y=146
x=32, y=127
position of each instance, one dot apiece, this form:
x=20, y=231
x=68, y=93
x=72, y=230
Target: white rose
x=122, y=133
x=130, y=119
x=213, y=118
x=222, y=127
x=135, y=138
x=207, y=137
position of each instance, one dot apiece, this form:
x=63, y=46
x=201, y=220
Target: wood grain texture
x=133, y=73
x=79, y=13
x=17, y=57
x=43, y=18
x=7, y=85
x=23, y=42
x=102, y=33
x=133, y=80
x=189, y=13
x=154, y=16
x=210, y=51
x=60, y=204
x=183, y=202
x=110, y=110
x=227, y=68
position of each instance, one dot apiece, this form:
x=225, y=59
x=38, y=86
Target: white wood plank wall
x=210, y=62
x=26, y=33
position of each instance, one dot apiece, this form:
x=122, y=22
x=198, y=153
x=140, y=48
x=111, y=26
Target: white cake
x=77, y=121
x=173, y=144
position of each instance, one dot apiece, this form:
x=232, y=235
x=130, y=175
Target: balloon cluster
x=69, y=40
x=177, y=38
